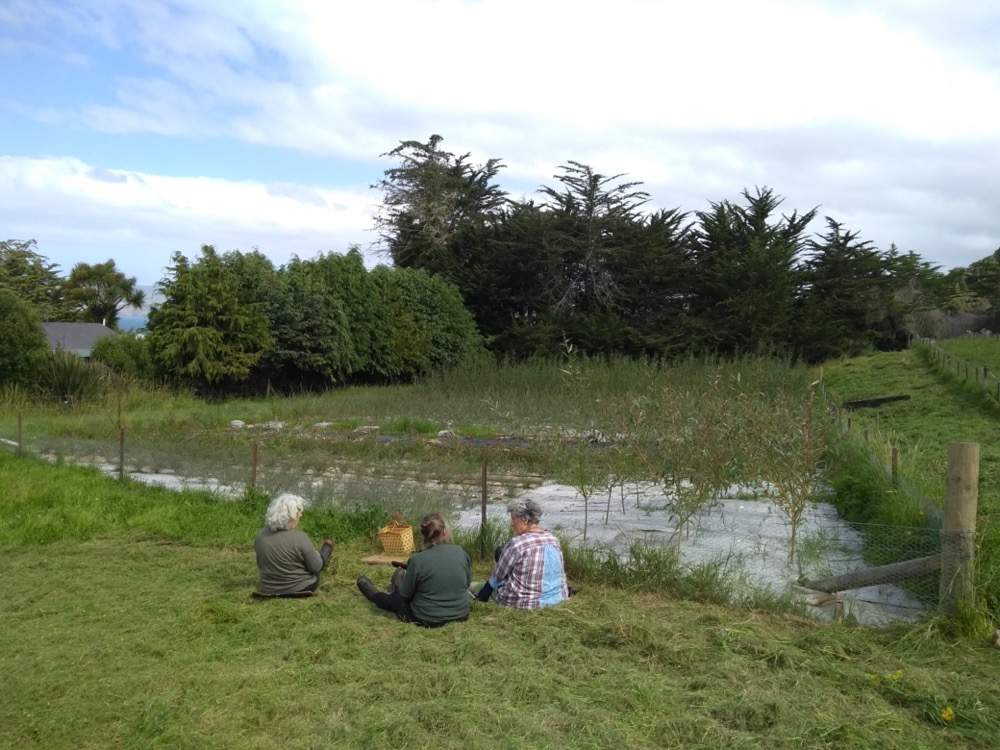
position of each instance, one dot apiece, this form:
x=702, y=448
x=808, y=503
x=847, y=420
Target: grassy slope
x=938, y=413
x=977, y=350
x=139, y=632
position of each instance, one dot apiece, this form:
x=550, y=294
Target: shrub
x=70, y=379
x=125, y=353
x=22, y=341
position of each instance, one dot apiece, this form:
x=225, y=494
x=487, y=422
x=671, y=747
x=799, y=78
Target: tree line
x=585, y=263
x=233, y=323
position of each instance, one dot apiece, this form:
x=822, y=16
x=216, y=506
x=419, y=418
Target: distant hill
x=152, y=298
x=131, y=323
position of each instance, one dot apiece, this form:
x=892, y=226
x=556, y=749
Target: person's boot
x=367, y=588
x=325, y=552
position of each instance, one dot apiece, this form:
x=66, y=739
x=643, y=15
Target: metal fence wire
x=966, y=371
x=829, y=567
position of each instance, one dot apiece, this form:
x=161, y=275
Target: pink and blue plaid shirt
x=530, y=572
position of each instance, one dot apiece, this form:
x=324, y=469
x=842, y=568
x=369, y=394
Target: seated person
x=432, y=588
x=286, y=560
x=529, y=573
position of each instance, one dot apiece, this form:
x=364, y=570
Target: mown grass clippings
x=140, y=642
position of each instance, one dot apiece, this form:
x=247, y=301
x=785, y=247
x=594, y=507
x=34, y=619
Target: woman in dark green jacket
x=432, y=589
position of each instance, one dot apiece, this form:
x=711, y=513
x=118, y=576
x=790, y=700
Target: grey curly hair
x=282, y=511
x=525, y=510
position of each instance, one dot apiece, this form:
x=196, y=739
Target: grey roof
x=77, y=338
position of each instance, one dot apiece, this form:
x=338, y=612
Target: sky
x=133, y=129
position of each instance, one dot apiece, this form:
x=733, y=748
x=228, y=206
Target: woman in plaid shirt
x=529, y=573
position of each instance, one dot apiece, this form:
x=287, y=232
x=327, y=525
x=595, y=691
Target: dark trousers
x=393, y=601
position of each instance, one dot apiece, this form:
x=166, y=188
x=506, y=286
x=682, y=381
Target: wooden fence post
x=121, y=453
x=482, y=521
x=958, y=550
x=253, y=465
x=483, y=480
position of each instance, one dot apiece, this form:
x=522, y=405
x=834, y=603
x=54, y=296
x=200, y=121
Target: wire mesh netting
x=752, y=538
x=829, y=565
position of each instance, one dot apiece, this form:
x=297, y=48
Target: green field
x=127, y=620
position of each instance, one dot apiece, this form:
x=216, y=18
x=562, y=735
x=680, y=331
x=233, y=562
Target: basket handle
x=396, y=522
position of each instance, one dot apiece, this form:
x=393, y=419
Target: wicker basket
x=396, y=536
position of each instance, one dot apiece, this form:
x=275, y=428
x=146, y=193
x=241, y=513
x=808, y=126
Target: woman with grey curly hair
x=287, y=562
x=530, y=572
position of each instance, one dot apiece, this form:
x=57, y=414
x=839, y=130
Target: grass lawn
x=125, y=641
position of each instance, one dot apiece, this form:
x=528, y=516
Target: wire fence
x=743, y=531
x=274, y=462
x=966, y=371
x=884, y=457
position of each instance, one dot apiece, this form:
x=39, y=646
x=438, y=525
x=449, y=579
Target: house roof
x=77, y=338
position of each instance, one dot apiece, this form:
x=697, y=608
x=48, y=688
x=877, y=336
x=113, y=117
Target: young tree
x=793, y=437
x=100, y=292
x=23, y=347
x=33, y=278
x=685, y=441
x=203, y=333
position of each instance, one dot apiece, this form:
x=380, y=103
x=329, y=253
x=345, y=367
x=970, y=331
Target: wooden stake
x=483, y=506
x=121, y=453
x=958, y=548
x=253, y=465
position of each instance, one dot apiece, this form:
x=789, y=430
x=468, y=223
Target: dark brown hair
x=434, y=530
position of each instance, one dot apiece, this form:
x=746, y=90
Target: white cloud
x=89, y=213
x=883, y=112
x=277, y=69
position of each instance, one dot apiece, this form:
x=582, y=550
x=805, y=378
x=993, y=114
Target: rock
x=237, y=424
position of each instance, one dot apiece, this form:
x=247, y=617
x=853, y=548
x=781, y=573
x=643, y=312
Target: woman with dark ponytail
x=432, y=589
